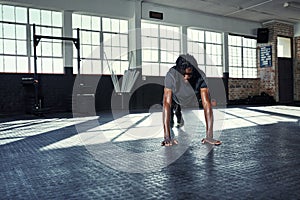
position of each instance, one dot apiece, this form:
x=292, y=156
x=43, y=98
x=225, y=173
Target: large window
x=242, y=57
x=104, y=44
x=13, y=42
x=160, y=48
x=206, y=47
x=49, y=52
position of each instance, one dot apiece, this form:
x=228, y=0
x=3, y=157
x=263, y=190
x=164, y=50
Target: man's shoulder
x=172, y=72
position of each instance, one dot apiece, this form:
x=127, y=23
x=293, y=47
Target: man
x=184, y=83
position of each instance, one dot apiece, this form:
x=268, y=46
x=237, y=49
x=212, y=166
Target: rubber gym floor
x=108, y=156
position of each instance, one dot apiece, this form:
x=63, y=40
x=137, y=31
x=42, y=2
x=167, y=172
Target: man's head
x=185, y=65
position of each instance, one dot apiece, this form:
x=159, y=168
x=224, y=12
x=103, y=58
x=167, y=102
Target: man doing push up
x=184, y=83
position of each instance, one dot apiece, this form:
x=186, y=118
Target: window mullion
x=159, y=51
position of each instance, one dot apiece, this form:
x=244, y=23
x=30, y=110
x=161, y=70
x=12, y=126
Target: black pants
x=175, y=108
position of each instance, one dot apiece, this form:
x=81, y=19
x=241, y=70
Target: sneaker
x=180, y=124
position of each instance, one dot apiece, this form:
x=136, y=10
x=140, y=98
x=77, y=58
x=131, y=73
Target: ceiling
x=253, y=10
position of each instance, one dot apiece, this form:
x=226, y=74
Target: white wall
x=205, y=21
x=127, y=9
x=114, y=8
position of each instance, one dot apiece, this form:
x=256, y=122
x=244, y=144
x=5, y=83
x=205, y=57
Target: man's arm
x=167, y=102
x=208, y=112
x=209, y=117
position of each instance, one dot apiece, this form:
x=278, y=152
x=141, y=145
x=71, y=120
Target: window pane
x=21, y=48
x=22, y=63
x=57, y=49
x=57, y=19
x=106, y=24
x=76, y=21
x=87, y=51
x=86, y=37
x=115, y=25
x=107, y=53
x=123, y=26
x=124, y=54
x=21, y=32
x=57, y=32
x=9, y=31
x=75, y=69
x=150, y=29
x=96, y=23
x=107, y=39
x=46, y=49
x=1, y=64
x=8, y=13
x=86, y=22
x=1, y=46
x=34, y=16
x=284, y=47
x=96, y=52
x=21, y=15
x=163, y=31
x=96, y=66
x=123, y=40
x=10, y=46
x=116, y=66
x=95, y=38
x=1, y=14
x=86, y=67
x=9, y=64
x=115, y=40
x=116, y=53
x=46, y=31
x=46, y=17
x=47, y=65
x=58, y=66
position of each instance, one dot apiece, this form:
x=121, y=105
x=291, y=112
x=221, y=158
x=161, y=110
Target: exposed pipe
x=243, y=9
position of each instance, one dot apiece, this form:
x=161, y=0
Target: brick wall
x=267, y=81
x=269, y=75
x=242, y=88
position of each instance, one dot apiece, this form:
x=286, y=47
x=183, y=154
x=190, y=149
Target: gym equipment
x=36, y=39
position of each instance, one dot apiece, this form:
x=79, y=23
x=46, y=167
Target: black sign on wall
x=266, y=56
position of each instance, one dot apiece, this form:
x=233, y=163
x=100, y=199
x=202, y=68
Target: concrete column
x=67, y=45
x=135, y=46
x=225, y=53
x=184, y=39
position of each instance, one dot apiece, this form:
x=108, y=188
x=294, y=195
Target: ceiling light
x=291, y=4
x=286, y=4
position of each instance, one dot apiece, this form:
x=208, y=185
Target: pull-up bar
x=36, y=40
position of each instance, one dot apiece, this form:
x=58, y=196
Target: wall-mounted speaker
x=156, y=15
x=262, y=35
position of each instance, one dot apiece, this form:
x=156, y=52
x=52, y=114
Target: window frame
x=14, y=56
x=245, y=69
x=210, y=68
x=159, y=67
x=103, y=59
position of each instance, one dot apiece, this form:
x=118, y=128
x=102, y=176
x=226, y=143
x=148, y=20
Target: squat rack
x=36, y=40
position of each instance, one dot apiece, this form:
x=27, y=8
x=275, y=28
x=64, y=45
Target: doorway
x=285, y=70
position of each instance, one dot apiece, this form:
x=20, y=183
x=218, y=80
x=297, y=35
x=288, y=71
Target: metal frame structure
x=36, y=40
